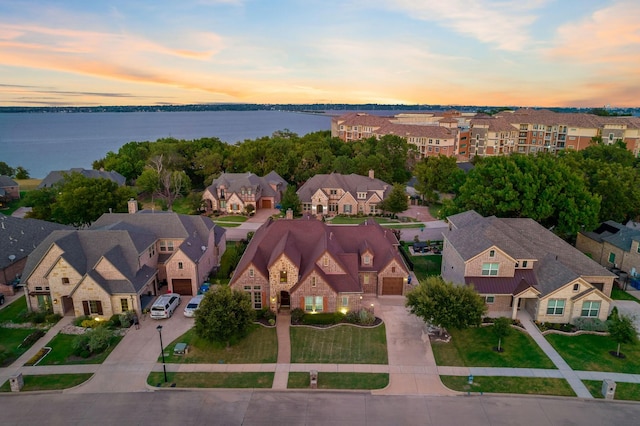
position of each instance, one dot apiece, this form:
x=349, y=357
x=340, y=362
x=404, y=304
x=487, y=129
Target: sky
x=545, y=53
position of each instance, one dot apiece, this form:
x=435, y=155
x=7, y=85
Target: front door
x=285, y=299
x=67, y=305
x=319, y=209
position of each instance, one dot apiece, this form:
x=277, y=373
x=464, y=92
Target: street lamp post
x=164, y=366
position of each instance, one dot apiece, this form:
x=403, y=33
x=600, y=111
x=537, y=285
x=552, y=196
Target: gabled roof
x=19, y=237
x=352, y=184
x=305, y=240
x=6, y=181
x=234, y=182
x=616, y=234
x=57, y=175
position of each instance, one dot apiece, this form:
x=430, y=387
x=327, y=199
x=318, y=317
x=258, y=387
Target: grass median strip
x=343, y=344
x=515, y=385
x=473, y=347
x=212, y=380
x=624, y=391
x=49, y=382
x=363, y=381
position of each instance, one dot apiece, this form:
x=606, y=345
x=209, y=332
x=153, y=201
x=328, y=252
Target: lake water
x=43, y=142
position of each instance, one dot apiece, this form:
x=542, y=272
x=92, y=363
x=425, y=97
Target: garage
x=266, y=204
x=182, y=286
x=392, y=286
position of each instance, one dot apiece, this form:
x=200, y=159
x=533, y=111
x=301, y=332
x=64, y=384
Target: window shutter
x=302, y=303
x=265, y=302
x=85, y=307
x=99, y=304
x=325, y=304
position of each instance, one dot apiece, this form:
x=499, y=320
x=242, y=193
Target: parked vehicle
x=192, y=306
x=165, y=306
x=1, y=299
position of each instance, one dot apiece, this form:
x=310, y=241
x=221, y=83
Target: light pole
x=164, y=367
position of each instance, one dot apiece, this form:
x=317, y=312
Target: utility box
x=16, y=382
x=608, y=388
x=313, y=379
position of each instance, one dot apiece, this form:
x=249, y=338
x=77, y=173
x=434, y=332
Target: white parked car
x=192, y=306
x=165, y=306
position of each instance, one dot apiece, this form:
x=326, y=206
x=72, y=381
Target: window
x=313, y=303
x=366, y=259
x=333, y=207
x=489, y=269
x=65, y=280
x=124, y=305
x=346, y=208
x=92, y=307
x=489, y=299
x=333, y=192
x=283, y=276
x=373, y=208
x=590, y=309
x=365, y=279
x=166, y=246
x=492, y=253
x=344, y=301
x=576, y=287
x=325, y=261
x=612, y=257
x=251, y=272
x=223, y=205
x=362, y=195
x=255, y=293
x=555, y=307
x=524, y=263
x=180, y=265
x=638, y=250
x=393, y=269
x=235, y=207
x=313, y=281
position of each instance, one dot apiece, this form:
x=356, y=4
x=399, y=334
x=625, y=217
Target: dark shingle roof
x=57, y=175
x=352, y=184
x=7, y=181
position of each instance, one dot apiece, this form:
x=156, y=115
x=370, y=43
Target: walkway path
x=281, y=377
x=567, y=373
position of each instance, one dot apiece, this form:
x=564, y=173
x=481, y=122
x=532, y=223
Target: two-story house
x=307, y=264
x=515, y=263
x=233, y=192
x=119, y=263
x=335, y=193
x=614, y=246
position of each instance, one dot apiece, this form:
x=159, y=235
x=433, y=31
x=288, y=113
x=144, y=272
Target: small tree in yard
x=621, y=330
x=501, y=328
x=224, y=315
x=445, y=304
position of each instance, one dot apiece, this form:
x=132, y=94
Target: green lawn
x=229, y=261
x=515, y=385
x=343, y=344
x=10, y=340
x=362, y=381
x=591, y=352
x=349, y=220
x=11, y=312
x=212, y=380
x=62, y=351
x=230, y=219
x=260, y=346
x=624, y=391
x=49, y=382
x=617, y=294
x=473, y=347
x=426, y=266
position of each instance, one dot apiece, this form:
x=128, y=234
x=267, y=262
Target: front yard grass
x=473, y=347
x=361, y=381
x=230, y=218
x=62, y=351
x=212, y=380
x=259, y=347
x=348, y=220
x=343, y=344
x=515, y=385
x=10, y=340
x=624, y=391
x=617, y=294
x=49, y=382
x=11, y=313
x=591, y=353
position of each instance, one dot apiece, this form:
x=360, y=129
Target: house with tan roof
x=307, y=264
x=517, y=264
x=233, y=192
x=120, y=262
x=335, y=193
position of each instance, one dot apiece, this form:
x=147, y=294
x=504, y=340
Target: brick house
x=233, y=192
x=518, y=264
x=335, y=193
x=9, y=190
x=18, y=238
x=305, y=263
x=119, y=262
x=613, y=245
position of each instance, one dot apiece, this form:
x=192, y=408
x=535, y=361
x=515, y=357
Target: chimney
x=289, y=214
x=133, y=206
x=371, y=174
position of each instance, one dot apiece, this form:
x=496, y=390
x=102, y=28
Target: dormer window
x=251, y=272
x=362, y=195
x=283, y=276
x=366, y=259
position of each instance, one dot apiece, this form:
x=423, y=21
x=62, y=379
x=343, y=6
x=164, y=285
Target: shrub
x=365, y=317
x=590, y=324
x=352, y=317
x=80, y=345
x=36, y=317
x=324, y=318
x=114, y=321
x=296, y=315
x=126, y=319
x=52, y=318
x=98, y=339
x=78, y=321
x=90, y=323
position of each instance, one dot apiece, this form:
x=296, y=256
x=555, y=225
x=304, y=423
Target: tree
x=501, y=328
x=5, y=169
x=445, y=304
x=160, y=180
x=22, y=173
x=622, y=330
x=396, y=201
x=437, y=174
x=224, y=315
x=290, y=200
